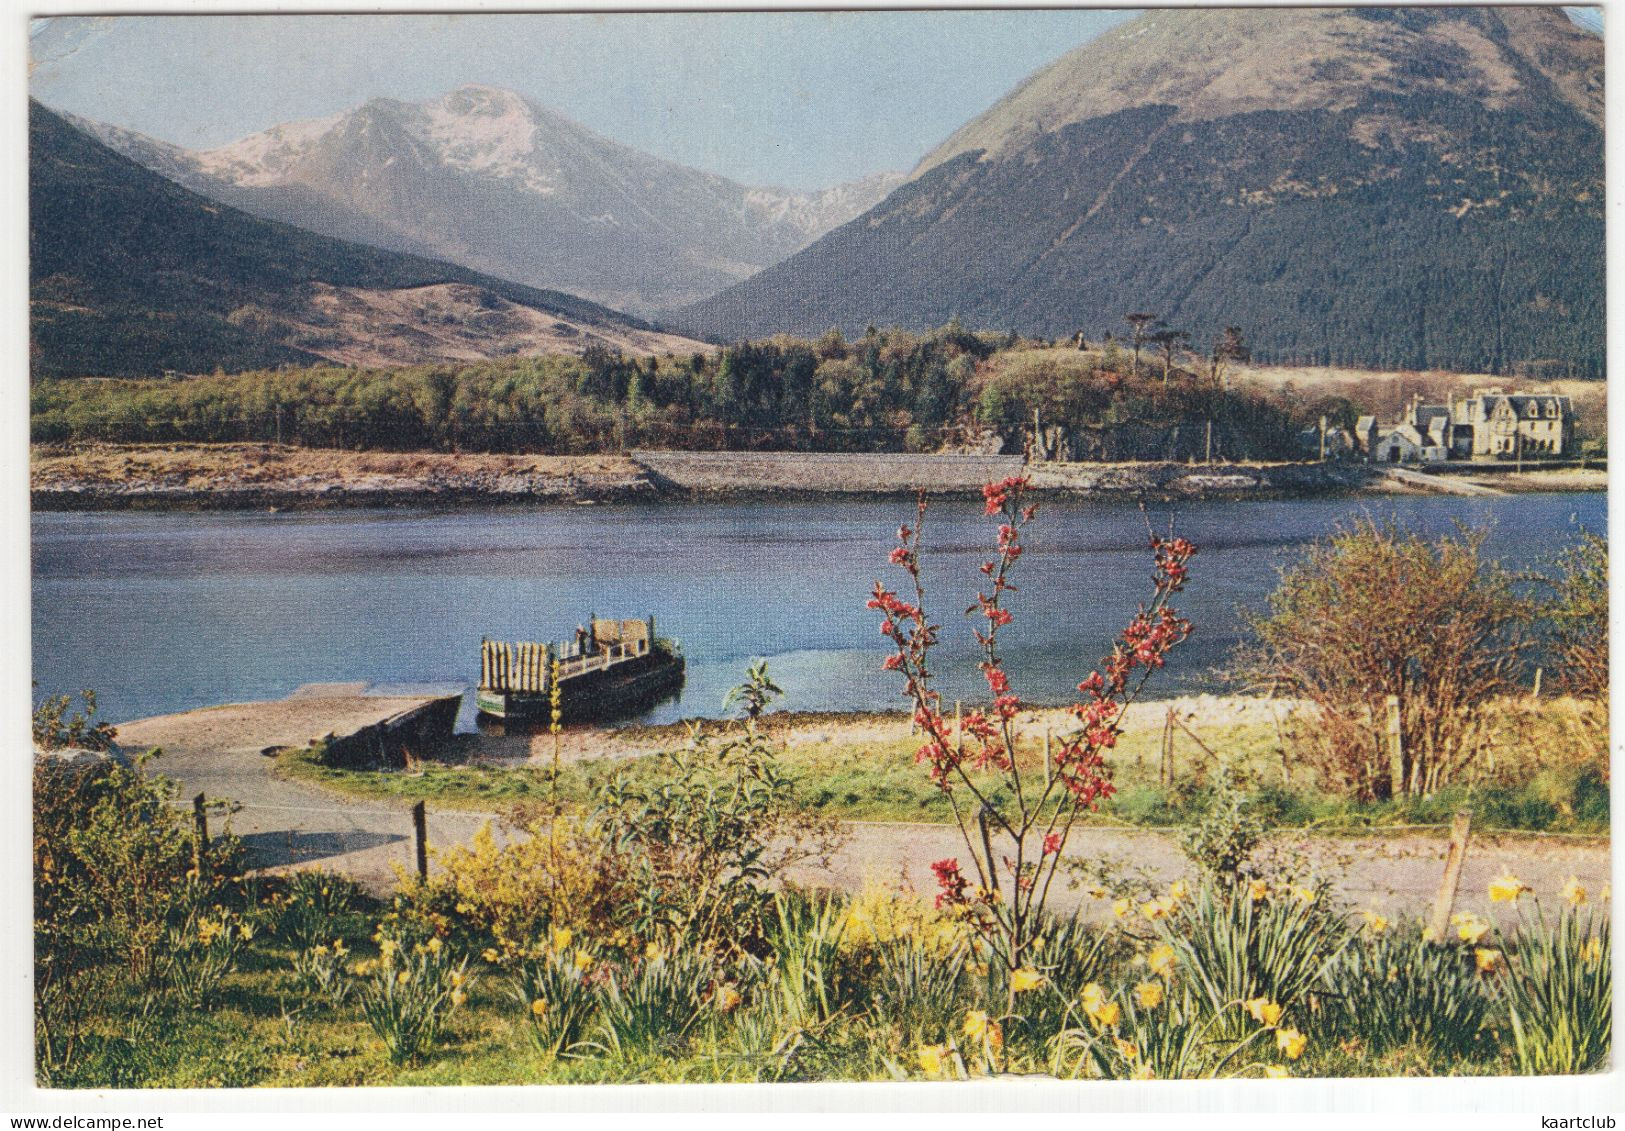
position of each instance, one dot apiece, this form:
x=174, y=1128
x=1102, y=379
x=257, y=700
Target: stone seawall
x=250, y=477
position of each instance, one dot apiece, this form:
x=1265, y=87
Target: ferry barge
x=612, y=667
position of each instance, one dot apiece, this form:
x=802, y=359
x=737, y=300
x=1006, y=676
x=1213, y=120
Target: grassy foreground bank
x=1546, y=770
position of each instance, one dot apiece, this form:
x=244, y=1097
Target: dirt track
x=291, y=824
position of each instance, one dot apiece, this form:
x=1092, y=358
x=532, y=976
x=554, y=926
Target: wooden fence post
x=1445, y=900
x=200, y=843
x=1396, y=750
x=1166, y=772
x=420, y=830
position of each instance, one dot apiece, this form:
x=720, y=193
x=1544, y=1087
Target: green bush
x=1393, y=988
x=704, y=835
x=1253, y=940
x=406, y=993
x=1559, y=990
x=650, y=1004
x=555, y=997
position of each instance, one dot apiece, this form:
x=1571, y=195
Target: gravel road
x=288, y=824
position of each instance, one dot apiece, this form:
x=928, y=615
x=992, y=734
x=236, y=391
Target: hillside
x=1395, y=188
x=131, y=274
x=491, y=180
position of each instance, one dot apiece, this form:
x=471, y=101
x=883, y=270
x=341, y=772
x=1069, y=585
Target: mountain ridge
x=1402, y=188
x=500, y=183
x=132, y=274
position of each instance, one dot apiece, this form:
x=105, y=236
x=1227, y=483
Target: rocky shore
x=258, y=477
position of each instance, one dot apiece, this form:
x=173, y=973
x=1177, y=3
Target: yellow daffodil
x=458, y=978
x=1126, y=1049
x=1488, y=960
x=583, y=960
x=975, y=1026
x=1264, y=1011
x=930, y=1058
x=403, y=977
x=1162, y=960
x=538, y=1008
x=728, y=997
x=1257, y=890
x=652, y=952
x=1374, y=923
x=1291, y=1042
x=562, y=937
x=1303, y=894
x=1506, y=888
x=1574, y=891
x=1025, y=979
x=339, y=949
x=490, y=955
x=320, y=950
x=245, y=931
x=1092, y=997
x=458, y=997
x=1275, y=1072
x=1470, y=928
x=1156, y=909
x=1148, y=995
x=435, y=945
x=1178, y=890
x=1121, y=907
x=1107, y=1015
x=1591, y=951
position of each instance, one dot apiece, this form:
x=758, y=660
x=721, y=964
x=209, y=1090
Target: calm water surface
x=163, y=612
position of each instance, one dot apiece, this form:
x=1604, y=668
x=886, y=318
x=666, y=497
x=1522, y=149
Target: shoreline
x=242, y=477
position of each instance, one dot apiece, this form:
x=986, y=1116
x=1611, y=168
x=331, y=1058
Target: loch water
x=162, y=612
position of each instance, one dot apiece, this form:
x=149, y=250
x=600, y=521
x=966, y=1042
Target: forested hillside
x=1388, y=188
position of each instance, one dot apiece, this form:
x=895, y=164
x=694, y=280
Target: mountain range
x=132, y=274
x=1402, y=188
x=491, y=180
x=1399, y=188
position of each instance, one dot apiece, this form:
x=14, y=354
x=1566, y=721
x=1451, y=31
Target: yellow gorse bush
x=881, y=914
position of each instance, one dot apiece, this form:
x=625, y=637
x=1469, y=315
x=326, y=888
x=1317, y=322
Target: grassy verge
x=863, y=768
x=266, y=1030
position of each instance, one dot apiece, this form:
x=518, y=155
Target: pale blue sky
x=800, y=99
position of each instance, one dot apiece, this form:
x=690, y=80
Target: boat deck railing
x=529, y=666
x=607, y=656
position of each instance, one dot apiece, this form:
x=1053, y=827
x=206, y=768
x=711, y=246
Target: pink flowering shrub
x=1015, y=816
